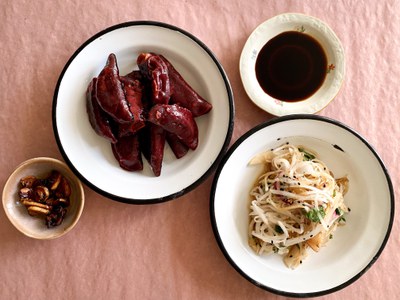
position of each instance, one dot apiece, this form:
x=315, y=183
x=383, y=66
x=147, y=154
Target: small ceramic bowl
x=17, y=213
x=310, y=26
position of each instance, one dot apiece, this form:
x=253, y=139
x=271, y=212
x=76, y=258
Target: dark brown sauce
x=291, y=66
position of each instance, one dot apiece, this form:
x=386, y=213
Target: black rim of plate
x=228, y=155
x=228, y=134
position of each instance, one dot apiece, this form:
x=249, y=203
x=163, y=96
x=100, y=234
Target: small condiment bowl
x=17, y=213
x=317, y=30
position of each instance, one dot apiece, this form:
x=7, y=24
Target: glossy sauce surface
x=292, y=66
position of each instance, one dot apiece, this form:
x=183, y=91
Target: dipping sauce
x=292, y=66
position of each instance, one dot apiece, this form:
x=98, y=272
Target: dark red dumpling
x=133, y=90
x=177, y=120
x=127, y=152
x=183, y=94
x=110, y=94
x=152, y=142
x=154, y=69
x=99, y=120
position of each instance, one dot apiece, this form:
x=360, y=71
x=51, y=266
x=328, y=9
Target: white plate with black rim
x=90, y=156
x=355, y=246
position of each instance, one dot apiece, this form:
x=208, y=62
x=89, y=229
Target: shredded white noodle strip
x=325, y=198
x=295, y=219
x=284, y=229
x=260, y=213
x=304, y=237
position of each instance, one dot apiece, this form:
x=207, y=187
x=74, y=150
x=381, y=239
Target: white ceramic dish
x=17, y=213
x=354, y=248
x=90, y=156
x=289, y=22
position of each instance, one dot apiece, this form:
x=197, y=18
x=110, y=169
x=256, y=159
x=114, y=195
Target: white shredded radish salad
x=296, y=203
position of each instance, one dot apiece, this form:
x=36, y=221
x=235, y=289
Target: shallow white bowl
x=16, y=212
x=355, y=246
x=293, y=22
x=90, y=156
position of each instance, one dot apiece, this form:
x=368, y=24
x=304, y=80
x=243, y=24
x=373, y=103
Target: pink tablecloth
x=120, y=251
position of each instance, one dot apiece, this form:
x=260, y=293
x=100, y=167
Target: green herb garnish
x=307, y=155
x=340, y=213
x=315, y=214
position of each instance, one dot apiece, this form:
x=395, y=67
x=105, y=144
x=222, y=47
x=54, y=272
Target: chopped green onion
x=307, y=155
x=315, y=214
x=340, y=213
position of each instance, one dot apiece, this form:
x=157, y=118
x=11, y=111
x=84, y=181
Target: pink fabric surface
x=168, y=251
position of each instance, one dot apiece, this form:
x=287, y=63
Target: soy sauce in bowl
x=291, y=67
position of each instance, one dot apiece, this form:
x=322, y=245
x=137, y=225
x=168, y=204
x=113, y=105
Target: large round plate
x=90, y=156
x=355, y=246
x=302, y=23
